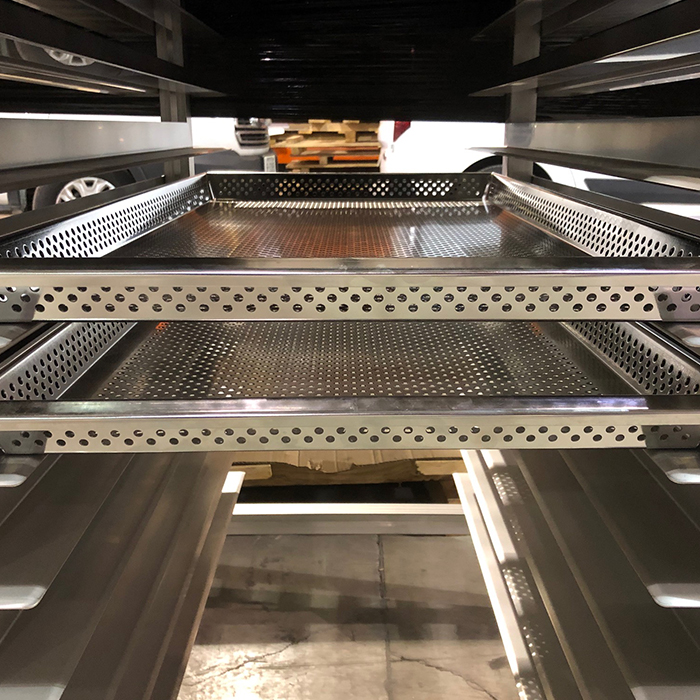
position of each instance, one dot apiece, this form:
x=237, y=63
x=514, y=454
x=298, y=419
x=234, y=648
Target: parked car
x=448, y=147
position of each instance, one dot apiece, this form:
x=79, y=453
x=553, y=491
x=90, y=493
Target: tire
x=497, y=168
x=58, y=60
x=47, y=195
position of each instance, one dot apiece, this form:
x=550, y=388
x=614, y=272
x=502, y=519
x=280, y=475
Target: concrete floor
x=357, y=617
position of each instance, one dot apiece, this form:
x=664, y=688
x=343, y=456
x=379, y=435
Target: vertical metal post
x=174, y=106
x=522, y=102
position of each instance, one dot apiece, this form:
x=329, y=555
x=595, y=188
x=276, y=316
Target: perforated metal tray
x=362, y=385
x=271, y=247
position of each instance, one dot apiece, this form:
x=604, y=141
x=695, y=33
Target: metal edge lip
x=20, y=597
x=344, y=509
x=681, y=476
x=243, y=271
x=676, y=595
x=35, y=692
x=627, y=409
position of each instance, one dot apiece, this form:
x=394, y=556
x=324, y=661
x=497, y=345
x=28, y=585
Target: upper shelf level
x=262, y=246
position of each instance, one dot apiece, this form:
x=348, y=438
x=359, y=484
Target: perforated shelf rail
x=363, y=385
x=361, y=247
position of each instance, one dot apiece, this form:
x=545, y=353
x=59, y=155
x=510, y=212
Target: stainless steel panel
x=595, y=669
x=39, y=536
x=25, y=142
x=150, y=637
x=656, y=653
x=42, y=648
x=658, y=538
x=136, y=622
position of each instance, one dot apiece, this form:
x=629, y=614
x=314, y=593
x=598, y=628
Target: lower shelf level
x=333, y=385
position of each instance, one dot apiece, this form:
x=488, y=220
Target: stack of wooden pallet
x=320, y=144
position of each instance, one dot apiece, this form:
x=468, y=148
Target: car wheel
x=497, y=168
x=55, y=193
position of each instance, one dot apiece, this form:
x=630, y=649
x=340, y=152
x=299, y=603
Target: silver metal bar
x=347, y=519
x=504, y=607
x=501, y=539
x=425, y=423
x=477, y=271
x=516, y=649
x=522, y=104
x=659, y=173
x=469, y=288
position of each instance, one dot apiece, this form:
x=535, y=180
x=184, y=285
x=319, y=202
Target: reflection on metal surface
x=347, y=519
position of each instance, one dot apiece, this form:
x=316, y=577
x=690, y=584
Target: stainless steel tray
x=362, y=385
x=271, y=247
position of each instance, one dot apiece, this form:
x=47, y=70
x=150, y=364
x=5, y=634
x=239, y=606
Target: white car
x=448, y=147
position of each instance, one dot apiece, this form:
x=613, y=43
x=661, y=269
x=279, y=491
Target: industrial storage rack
x=550, y=333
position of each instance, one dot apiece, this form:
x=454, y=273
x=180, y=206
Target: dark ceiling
x=334, y=59
x=362, y=59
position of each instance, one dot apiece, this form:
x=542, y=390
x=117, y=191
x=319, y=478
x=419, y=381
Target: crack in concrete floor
x=356, y=617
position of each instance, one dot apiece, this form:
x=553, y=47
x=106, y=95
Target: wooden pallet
x=348, y=129
x=305, y=166
x=324, y=145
